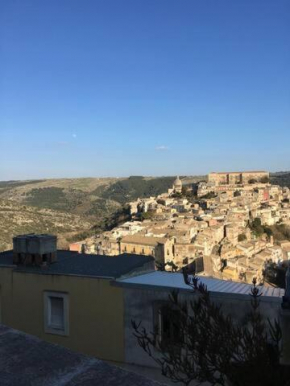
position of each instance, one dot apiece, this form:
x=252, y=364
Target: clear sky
x=143, y=87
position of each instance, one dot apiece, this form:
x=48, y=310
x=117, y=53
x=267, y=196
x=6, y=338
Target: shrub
x=242, y=237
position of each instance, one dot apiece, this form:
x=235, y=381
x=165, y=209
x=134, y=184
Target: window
x=56, y=313
x=167, y=321
x=168, y=325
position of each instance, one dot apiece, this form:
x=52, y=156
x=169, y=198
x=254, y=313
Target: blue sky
x=143, y=87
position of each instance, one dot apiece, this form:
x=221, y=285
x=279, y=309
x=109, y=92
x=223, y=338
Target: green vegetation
x=135, y=187
x=208, y=196
x=7, y=185
x=252, y=181
x=146, y=215
x=276, y=274
x=71, y=208
x=203, y=343
x=242, y=237
x=280, y=232
x=265, y=180
x=50, y=198
x=281, y=178
x=18, y=219
x=258, y=229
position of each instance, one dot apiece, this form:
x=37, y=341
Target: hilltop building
x=176, y=187
x=234, y=178
x=210, y=228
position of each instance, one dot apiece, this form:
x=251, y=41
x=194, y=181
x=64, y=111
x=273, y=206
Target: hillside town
x=222, y=227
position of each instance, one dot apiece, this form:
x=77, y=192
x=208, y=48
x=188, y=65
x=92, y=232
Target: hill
x=71, y=208
x=18, y=219
x=280, y=178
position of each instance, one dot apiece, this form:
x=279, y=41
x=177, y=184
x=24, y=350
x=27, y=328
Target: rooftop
x=26, y=360
x=35, y=236
x=73, y=263
x=144, y=240
x=170, y=280
x=245, y=172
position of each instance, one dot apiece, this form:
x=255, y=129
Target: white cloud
x=162, y=147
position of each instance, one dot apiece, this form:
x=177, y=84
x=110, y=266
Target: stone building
x=177, y=186
x=160, y=248
x=234, y=178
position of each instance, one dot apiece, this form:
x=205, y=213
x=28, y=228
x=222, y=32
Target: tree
x=242, y=237
x=147, y=216
x=264, y=180
x=256, y=227
x=209, y=195
x=237, y=193
x=208, y=345
x=252, y=181
x=162, y=266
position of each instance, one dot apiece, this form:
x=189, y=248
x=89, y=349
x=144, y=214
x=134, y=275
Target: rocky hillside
x=70, y=208
x=77, y=207
x=17, y=219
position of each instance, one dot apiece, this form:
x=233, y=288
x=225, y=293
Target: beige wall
x=141, y=302
x=162, y=252
x=95, y=311
x=147, y=250
x=234, y=178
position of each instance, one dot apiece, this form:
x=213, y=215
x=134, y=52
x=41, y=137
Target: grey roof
x=170, y=280
x=73, y=263
x=28, y=361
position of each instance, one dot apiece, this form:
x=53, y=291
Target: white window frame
x=48, y=328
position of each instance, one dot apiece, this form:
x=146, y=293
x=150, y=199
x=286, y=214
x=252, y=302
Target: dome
x=177, y=182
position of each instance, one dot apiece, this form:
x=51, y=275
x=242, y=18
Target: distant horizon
x=145, y=176
x=118, y=88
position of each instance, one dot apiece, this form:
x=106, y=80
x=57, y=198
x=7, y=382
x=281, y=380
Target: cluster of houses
x=207, y=225
x=86, y=298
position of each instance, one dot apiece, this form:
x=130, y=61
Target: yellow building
x=68, y=301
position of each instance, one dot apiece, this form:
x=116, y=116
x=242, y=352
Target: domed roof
x=177, y=182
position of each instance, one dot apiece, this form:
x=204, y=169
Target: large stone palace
x=233, y=178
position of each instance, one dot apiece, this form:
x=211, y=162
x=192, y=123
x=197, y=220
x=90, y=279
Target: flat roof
x=35, y=236
x=26, y=360
x=244, y=172
x=170, y=280
x=143, y=240
x=81, y=264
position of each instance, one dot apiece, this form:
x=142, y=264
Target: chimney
x=35, y=250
